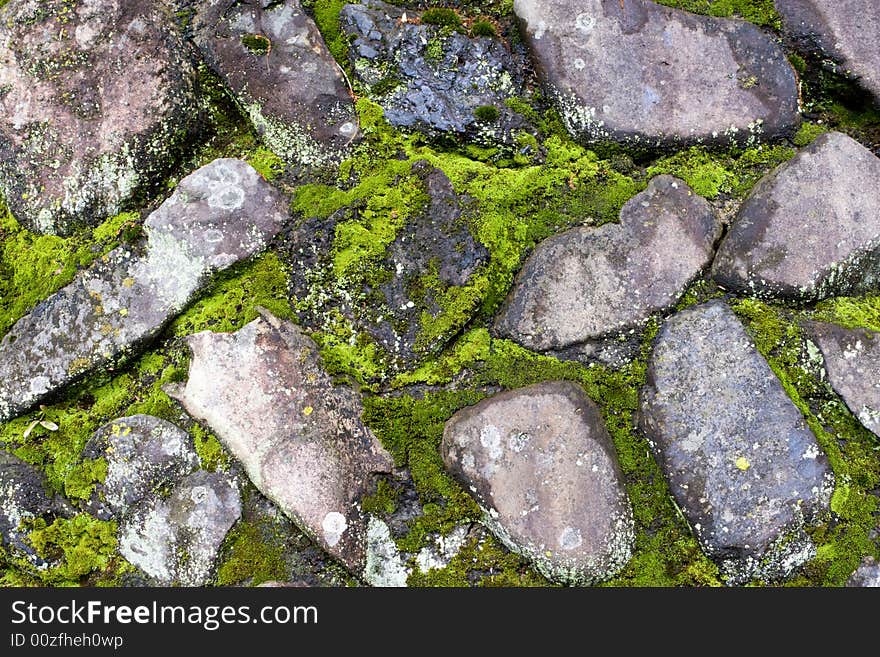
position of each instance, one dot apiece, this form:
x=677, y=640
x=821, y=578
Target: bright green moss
x=269, y=165
x=759, y=12
x=211, y=453
x=482, y=28
x=326, y=14
x=807, y=133
x=383, y=501
x=851, y=312
x=257, y=44
x=254, y=554
x=443, y=17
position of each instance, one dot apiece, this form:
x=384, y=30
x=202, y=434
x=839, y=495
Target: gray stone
x=740, y=460
x=810, y=229
x=96, y=99
x=265, y=394
x=273, y=59
x=852, y=362
x=842, y=32
x=219, y=215
x=590, y=282
x=542, y=467
x=394, y=58
x=866, y=575
x=637, y=72
x=175, y=541
x=144, y=454
x=22, y=497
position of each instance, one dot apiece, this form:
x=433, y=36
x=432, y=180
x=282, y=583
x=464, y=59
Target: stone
x=841, y=32
x=866, y=575
x=810, y=229
x=175, y=541
x=588, y=282
x=144, y=454
x=22, y=497
x=434, y=80
x=274, y=61
x=264, y=392
x=852, y=362
x=96, y=100
x=636, y=72
x=542, y=467
x=220, y=215
x=741, y=463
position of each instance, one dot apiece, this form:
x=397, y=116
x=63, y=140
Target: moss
x=254, y=553
x=851, y=312
x=257, y=44
x=383, y=501
x=443, y=17
x=211, y=453
x=759, y=12
x=482, y=28
x=269, y=165
x=486, y=113
x=326, y=13
x=434, y=49
x=807, y=133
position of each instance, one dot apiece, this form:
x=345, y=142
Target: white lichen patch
x=385, y=565
x=333, y=526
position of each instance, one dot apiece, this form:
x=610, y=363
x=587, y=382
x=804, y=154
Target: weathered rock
x=589, y=282
x=740, y=460
x=866, y=575
x=542, y=467
x=433, y=256
x=635, y=71
x=219, y=215
x=300, y=438
x=273, y=59
x=22, y=496
x=144, y=454
x=810, y=229
x=397, y=59
x=852, y=361
x=843, y=32
x=96, y=97
x=175, y=541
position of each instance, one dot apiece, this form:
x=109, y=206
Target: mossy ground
x=518, y=201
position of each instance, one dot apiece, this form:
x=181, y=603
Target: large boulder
x=220, y=215
x=275, y=63
x=741, y=462
x=636, y=72
x=810, y=229
x=543, y=469
x=589, y=282
x=96, y=97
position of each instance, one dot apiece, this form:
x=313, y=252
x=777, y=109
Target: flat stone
x=810, y=229
x=220, y=215
x=852, y=362
x=274, y=60
x=842, y=31
x=741, y=462
x=96, y=99
x=587, y=282
x=866, y=575
x=176, y=541
x=22, y=497
x=264, y=393
x=542, y=467
x=144, y=454
x=392, y=54
x=636, y=72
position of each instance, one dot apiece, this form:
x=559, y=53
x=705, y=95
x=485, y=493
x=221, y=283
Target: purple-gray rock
x=394, y=55
x=542, y=467
x=842, y=32
x=636, y=72
x=741, y=462
x=176, y=540
x=852, y=362
x=22, y=497
x=96, y=99
x=265, y=394
x=274, y=60
x=866, y=575
x=590, y=282
x=810, y=229
x=220, y=215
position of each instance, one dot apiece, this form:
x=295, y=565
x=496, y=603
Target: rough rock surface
x=741, y=462
x=22, y=496
x=588, y=282
x=434, y=92
x=274, y=60
x=219, y=215
x=263, y=391
x=434, y=242
x=842, y=31
x=542, y=467
x=810, y=229
x=866, y=575
x=852, y=361
x=95, y=99
x=635, y=71
x=176, y=540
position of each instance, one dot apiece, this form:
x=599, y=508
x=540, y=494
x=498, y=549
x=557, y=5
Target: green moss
x=482, y=28
x=486, y=113
x=269, y=165
x=851, y=312
x=383, y=501
x=807, y=133
x=434, y=49
x=759, y=12
x=210, y=451
x=326, y=13
x=442, y=16
x=254, y=554
x=257, y=44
